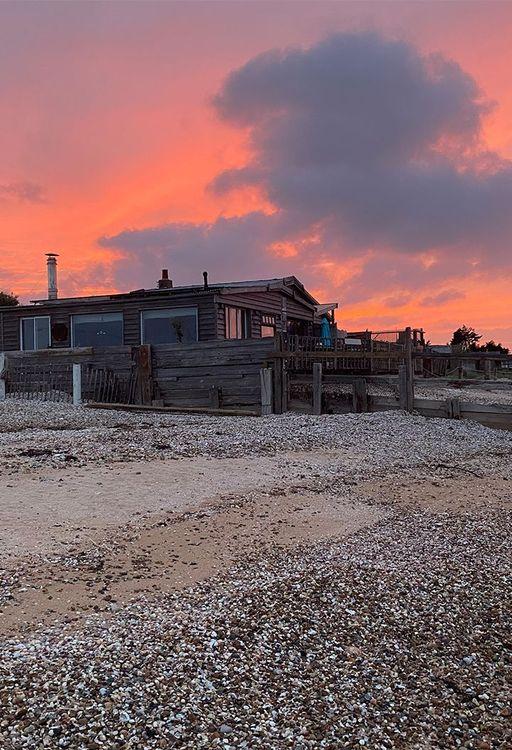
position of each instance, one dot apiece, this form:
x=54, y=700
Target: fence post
x=317, y=387
x=144, y=374
x=266, y=391
x=360, y=396
x=453, y=408
x=214, y=397
x=409, y=369
x=77, y=384
x=3, y=366
x=402, y=386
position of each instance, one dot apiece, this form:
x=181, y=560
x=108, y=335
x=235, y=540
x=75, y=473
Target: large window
x=102, y=329
x=35, y=333
x=169, y=326
x=237, y=323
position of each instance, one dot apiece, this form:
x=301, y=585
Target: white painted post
x=3, y=364
x=266, y=391
x=77, y=384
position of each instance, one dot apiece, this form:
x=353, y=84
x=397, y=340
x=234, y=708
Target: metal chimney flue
x=51, y=265
x=165, y=282
x=205, y=280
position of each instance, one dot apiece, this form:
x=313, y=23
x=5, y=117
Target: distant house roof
x=441, y=348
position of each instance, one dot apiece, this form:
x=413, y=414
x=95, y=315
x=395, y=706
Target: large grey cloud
x=364, y=143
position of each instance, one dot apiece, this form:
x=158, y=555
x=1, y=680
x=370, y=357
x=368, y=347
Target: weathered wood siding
x=183, y=375
x=271, y=302
x=61, y=312
x=186, y=374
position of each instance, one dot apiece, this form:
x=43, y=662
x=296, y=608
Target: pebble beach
x=391, y=633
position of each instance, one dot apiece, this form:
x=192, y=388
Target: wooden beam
x=175, y=409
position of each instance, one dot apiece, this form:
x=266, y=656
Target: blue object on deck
x=325, y=331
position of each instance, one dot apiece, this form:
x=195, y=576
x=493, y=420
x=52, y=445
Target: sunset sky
x=364, y=147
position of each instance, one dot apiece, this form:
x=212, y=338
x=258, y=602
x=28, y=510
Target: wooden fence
x=315, y=396
x=211, y=375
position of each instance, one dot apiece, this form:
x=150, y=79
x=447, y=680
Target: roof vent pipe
x=165, y=282
x=205, y=280
x=51, y=265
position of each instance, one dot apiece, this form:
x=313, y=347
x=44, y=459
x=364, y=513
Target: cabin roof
x=287, y=284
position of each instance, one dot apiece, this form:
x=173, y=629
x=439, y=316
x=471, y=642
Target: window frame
x=194, y=308
x=268, y=320
x=81, y=315
x=245, y=322
x=33, y=318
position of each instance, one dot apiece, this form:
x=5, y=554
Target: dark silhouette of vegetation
x=465, y=337
x=492, y=346
x=8, y=299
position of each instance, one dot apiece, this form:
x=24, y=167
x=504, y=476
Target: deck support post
x=409, y=368
x=77, y=384
x=317, y=387
x=266, y=391
x=360, y=396
x=3, y=367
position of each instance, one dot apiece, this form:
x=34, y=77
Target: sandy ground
x=74, y=544
x=84, y=541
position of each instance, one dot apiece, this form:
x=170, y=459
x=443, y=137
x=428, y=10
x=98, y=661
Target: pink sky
x=107, y=125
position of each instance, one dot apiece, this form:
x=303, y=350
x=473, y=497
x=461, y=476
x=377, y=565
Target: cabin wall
x=271, y=303
x=10, y=339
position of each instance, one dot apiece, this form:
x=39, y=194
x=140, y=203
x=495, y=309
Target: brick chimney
x=165, y=282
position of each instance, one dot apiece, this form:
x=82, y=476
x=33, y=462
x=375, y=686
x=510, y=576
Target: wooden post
x=487, y=369
x=409, y=369
x=317, y=387
x=402, y=386
x=284, y=387
x=3, y=366
x=214, y=397
x=77, y=384
x=142, y=358
x=266, y=391
x=359, y=396
x=277, y=373
x=455, y=408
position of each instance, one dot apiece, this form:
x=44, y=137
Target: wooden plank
x=175, y=410
x=468, y=407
